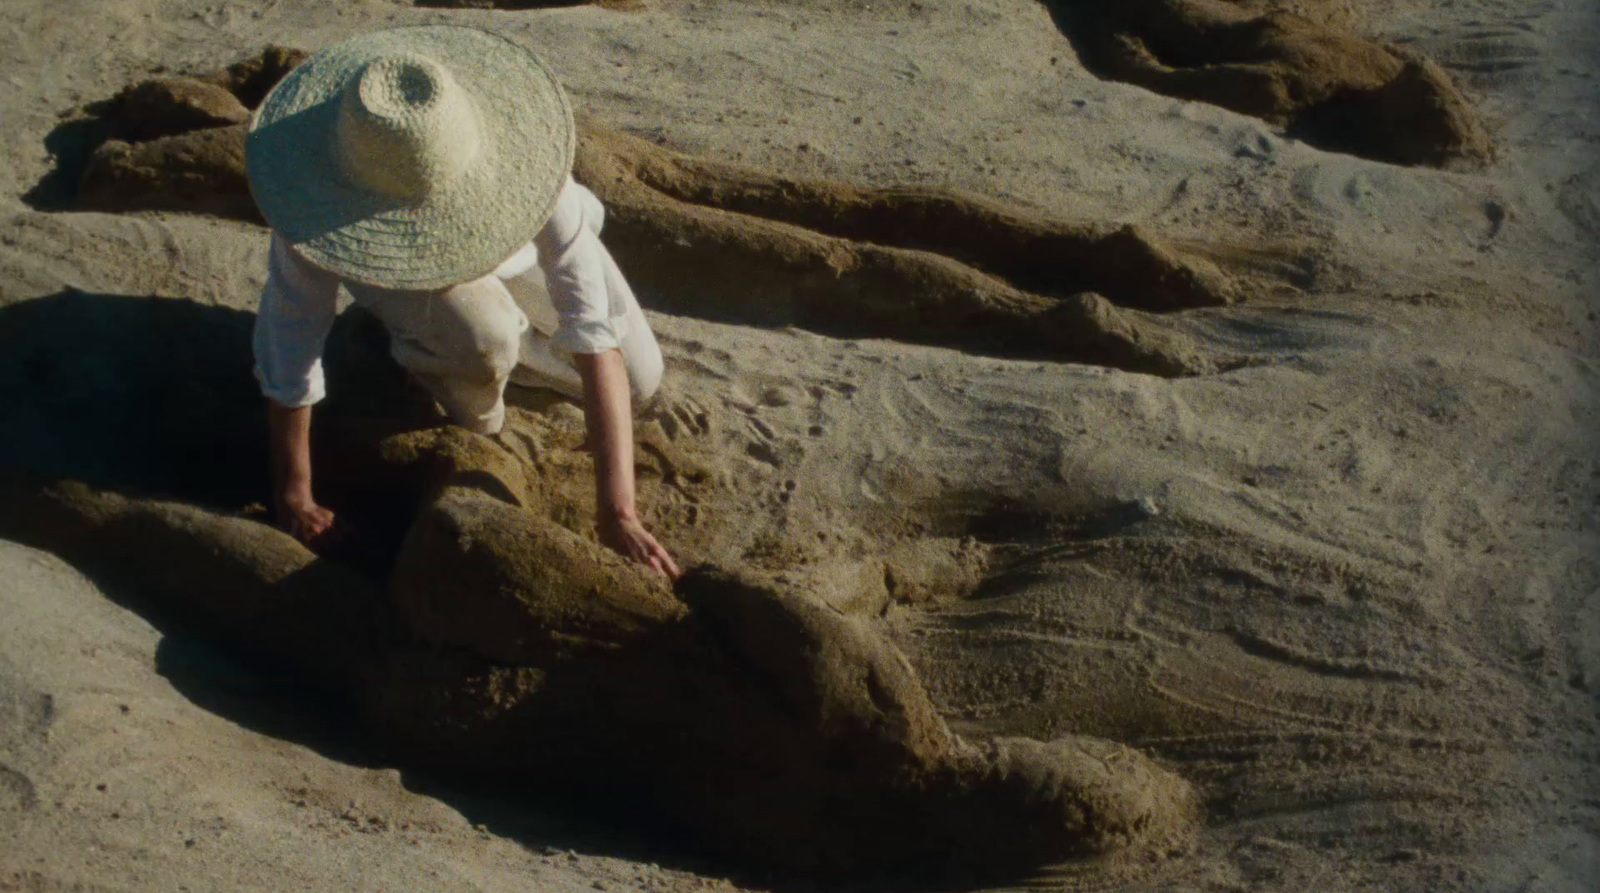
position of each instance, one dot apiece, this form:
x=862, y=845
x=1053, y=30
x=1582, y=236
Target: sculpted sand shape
x=727, y=242
x=1317, y=80
x=773, y=726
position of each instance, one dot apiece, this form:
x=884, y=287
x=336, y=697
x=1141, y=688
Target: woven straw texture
x=507, y=122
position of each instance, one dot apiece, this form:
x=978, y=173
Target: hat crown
x=405, y=128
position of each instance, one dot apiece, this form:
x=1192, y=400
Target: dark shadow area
x=71, y=143
x=254, y=696
x=155, y=395
x=261, y=697
x=620, y=823
x=149, y=393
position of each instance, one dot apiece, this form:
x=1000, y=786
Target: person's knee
x=645, y=368
x=498, y=355
x=645, y=383
x=490, y=333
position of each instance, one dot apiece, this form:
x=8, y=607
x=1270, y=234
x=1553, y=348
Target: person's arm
x=609, y=417
x=297, y=309
x=572, y=258
x=289, y=433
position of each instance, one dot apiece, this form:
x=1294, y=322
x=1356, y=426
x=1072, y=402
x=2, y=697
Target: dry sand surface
x=1306, y=516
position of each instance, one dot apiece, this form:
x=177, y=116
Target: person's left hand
x=622, y=532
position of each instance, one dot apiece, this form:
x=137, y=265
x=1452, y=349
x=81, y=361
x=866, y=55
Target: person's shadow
x=155, y=395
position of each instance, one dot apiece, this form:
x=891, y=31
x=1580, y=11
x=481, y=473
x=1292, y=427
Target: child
x=421, y=168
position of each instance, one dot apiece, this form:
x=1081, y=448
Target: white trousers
x=485, y=335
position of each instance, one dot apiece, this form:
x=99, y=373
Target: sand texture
x=1140, y=446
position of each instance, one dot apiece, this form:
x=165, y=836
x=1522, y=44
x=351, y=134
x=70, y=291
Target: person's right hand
x=301, y=517
x=621, y=532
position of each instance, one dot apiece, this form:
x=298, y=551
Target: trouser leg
x=474, y=335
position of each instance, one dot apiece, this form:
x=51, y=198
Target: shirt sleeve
x=574, y=264
x=298, y=305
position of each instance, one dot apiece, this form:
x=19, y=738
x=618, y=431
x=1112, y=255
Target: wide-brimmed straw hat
x=412, y=158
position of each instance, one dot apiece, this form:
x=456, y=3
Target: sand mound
x=1316, y=79
x=169, y=106
x=198, y=171
x=730, y=243
x=253, y=77
x=622, y=5
x=177, y=143
x=739, y=705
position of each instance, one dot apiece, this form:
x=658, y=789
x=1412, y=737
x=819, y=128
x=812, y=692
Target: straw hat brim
x=458, y=232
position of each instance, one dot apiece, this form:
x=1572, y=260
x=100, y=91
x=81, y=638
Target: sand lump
x=934, y=267
x=1299, y=71
x=775, y=728
x=728, y=242
x=176, y=143
x=197, y=171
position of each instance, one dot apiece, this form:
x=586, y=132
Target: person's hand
x=621, y=532
x=302, y=518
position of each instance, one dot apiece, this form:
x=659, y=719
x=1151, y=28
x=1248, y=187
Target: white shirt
x=299, y=302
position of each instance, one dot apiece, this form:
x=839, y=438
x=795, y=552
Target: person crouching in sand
x=422, y=168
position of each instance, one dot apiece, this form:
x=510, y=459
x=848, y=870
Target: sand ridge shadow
x=1288, y=63
x=258, y=695
x=934, y=267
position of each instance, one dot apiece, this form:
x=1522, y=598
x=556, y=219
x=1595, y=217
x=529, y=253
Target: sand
x=1340, y=580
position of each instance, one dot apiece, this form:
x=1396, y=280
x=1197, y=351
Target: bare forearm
x=609, y=418
x=608, y=411
x=289, y=434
